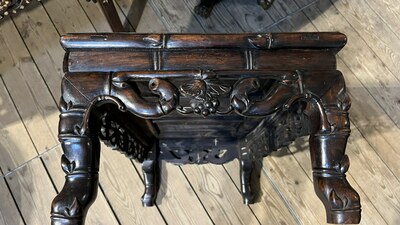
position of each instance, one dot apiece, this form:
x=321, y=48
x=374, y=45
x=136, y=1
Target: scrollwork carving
x=198, y=156
x=277, y=95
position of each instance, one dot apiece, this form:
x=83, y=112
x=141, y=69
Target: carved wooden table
x=202, y=99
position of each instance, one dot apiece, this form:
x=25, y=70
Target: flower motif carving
x=204, y=94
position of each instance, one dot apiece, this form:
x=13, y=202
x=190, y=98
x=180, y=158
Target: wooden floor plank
x=132, y=11
x=221, y=21
x=293, y=183
x=33, y=192
x=388, y=11
x=370, y=27
x=369, y=118
x=15, y=145
x=364, y=63
x=36, y=28
x=271, y=208
x=250, y=17
x=176, y=199
x=124, y=194
x=176, y=16
x=96, y=17
x=149, y=22
x=28, y=91
x=9, y=214
x=100, y=212
x=219, y=195
x=372, y=213
x=62, y=11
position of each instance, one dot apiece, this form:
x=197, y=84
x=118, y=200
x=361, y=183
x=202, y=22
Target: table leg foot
x=150, y=172
x=246, y=169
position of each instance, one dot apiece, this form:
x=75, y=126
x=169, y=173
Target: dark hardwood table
x=197, y=98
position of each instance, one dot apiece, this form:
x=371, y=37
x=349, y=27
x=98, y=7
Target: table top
x=173, y=41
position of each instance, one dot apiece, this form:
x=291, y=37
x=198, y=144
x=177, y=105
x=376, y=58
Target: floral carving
x=204, y=94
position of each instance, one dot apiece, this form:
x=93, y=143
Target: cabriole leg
x=80, y=162
x=150, y=173
x=329, y=161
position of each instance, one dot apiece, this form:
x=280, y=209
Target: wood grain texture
x=219, y=195
x=363, y=112
x=28, y=184
x=16, y=146
x=176, y=199
x=125, y=190
x=272, y=207
x=370, y=27
x=249, y=17
x=176, y=16
x=375, y=77
x=388, y=11
x=9, y=214
x=294, y=184
x=28, y=90
x=34, y=33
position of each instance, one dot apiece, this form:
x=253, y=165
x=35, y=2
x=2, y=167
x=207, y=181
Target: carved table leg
x=329, y=162
x=246, y=169
x=150, y=171
x=80, y=162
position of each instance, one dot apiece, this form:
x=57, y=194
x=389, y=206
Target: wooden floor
x=30, y=75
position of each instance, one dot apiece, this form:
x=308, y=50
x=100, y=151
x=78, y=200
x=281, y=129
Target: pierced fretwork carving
x=174, y=153
x=275, y=132
x=116, y=136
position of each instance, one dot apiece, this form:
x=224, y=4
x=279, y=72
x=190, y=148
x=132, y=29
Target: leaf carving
x=217, y=89
x=344, y=165
x=67, y=166
x=339, y=203
x=74, y=209
x=196, y=88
